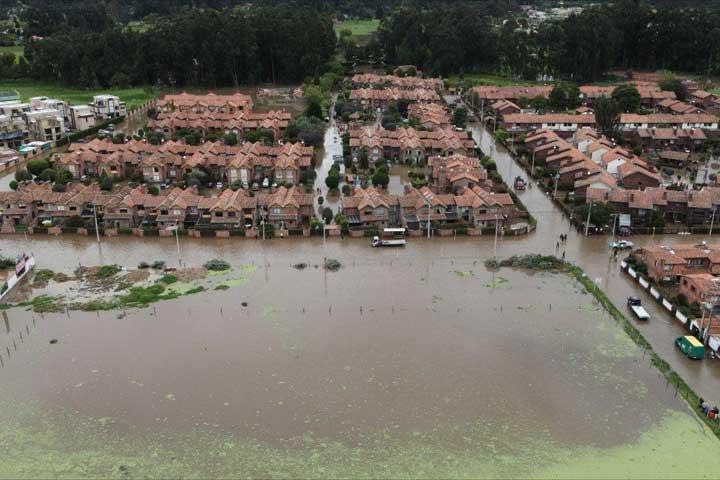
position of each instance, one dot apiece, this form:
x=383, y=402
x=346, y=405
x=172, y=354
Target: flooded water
x=420, y=349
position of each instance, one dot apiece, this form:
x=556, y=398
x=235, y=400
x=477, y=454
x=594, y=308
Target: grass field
x=133, y=97
x=359, y=28
x=488, y=79
x=17, y=50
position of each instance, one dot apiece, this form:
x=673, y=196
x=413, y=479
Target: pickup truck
x=379, y=242
x=635, y=305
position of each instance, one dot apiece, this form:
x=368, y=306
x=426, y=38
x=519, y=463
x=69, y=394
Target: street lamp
x=175, y=229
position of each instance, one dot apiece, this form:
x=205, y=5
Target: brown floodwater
x=395, y=341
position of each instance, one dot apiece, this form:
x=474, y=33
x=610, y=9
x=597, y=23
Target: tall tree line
x=210, y=47
x=624, y=34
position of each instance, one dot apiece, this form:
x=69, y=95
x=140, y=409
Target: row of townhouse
x=668, y=138
x=488, y=94
x=564, y=124
x=670, y=263
x=430, y=116
x=239, y=122
x=209, y=102
x=369, y=98
x=246, y=163
x=455, y=172
x=592, y=161
x=676, y=107
x=32, y=205
x=408, y=145
x=681, y=207
x=372, y=80
x=474, y=207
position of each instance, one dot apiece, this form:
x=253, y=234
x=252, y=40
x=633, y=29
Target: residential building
x=210, y=102
x=368, y=98
x=701, y=288
x=430, y=116
x=455, y=172
x=82, y=117
x=564, y=124
x=108, y=107
x=671, y=263
x=668, y=138
x=370, y=208
x=371, y=80
x=633, y=121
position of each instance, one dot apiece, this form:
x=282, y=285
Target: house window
x=276, y=210
x=163, y=212
x=218, y=214
x=231, y=214
x=123, y=210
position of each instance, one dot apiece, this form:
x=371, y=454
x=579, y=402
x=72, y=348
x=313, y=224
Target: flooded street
x=406, y=362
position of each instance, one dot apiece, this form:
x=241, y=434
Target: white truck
x=381, y=242
x=635, y=305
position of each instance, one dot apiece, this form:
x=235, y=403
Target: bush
x=153, y=190
x=58, y=187
x=143, y=265
x=168, y=279
x=332, y=180
x=14, y=184
x=107, y=271
x=332, y=264
x=346, y=189
x=22, y=175
x=106, y=184
x=35, y=167
x=158, y=265
x=216, y=265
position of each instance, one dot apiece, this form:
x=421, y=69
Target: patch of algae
x=66, y=446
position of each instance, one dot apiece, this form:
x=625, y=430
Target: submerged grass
x=551, y=263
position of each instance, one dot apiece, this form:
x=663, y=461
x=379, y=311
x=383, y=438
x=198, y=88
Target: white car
x=622, y=244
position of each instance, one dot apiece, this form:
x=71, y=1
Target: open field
x=359, y=28
x=27, y=88
x=17, y=50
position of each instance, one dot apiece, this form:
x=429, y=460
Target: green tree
x=380, y=178
x=35, y=167
x=327, y=215
x=332, y=180
x=14, y=184
x=606, y=115
x=599, y=214
x=673, y=84
x=627, y=98
x=153, y=190
x=106, y=184
x=48, y=175
x=460, y=116
x=22, y=175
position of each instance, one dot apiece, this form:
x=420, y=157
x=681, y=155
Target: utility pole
x=532, y=168
x=712, y=222
x=428, y=225
x=496, y=234
x=97, y=232
x=557, y=179
x=587, y=222
x=177, y=242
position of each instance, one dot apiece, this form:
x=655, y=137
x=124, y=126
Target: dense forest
x=218, y=43
x=625, y=34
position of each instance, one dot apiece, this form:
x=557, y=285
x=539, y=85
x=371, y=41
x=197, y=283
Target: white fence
x=683, y=319
x=15, y=278
x=654, y=293
x=644, y=283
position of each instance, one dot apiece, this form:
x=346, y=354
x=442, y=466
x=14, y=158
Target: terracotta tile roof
x=490, y=92
x=666, y=118
x=529, y=118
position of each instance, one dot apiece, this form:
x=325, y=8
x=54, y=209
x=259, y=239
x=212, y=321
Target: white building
x=107, y=107
x=82, y=117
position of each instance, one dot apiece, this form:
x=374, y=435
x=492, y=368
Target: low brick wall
x=222, y=234
x=194, y=233
x=415, y=233
x=282, y=233
x=111, y=232
x=306, y=232
x=444, y=232
x=251, y=233
x=55, y=231
x=7, y=229
x=357, y=233
x=336, y=232
x=82, y=231
x=166, y=233
x=474, y=232
x=138, y=232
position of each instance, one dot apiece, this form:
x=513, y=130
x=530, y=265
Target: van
x=691, y=347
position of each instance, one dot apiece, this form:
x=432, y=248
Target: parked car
x=622, y=244
x=266, y=183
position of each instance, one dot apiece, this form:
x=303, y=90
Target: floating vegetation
x=143, y=265
x=216, y=265
x=53, y=341
x=332, y=265
x=158, y=265
x=107, y=271
x=168, y=279
x=528, y=262
x=222, y=287
x=44, y=275
x=300, y=266
x=496, y=282
x=44, y=304
x=463, y=273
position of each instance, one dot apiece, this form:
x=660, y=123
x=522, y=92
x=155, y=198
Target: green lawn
x=359, y=28
x=489, y=79
x=17, y=50
x=131, y=96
